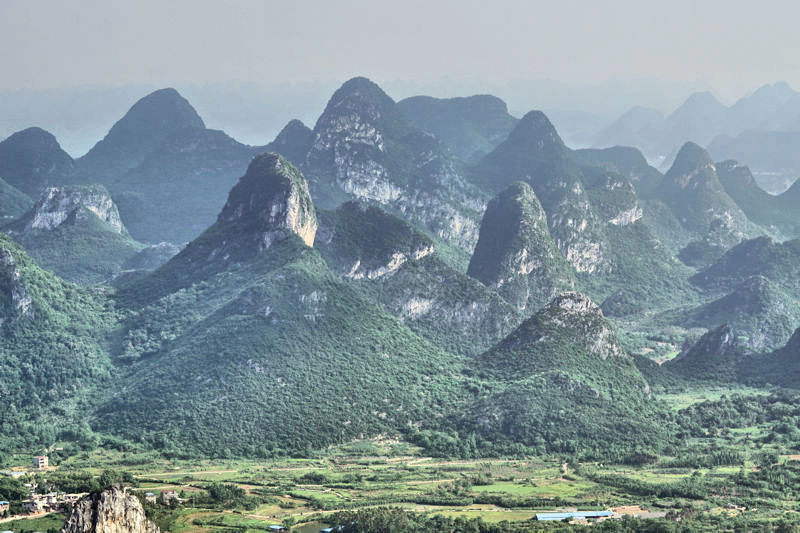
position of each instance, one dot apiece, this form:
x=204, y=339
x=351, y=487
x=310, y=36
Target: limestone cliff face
x=110, y=511
x=57, y=204
x=396, y=263
x=577, y=311
x=272, y=198
x=515, y=253
x=269, y=204
x=717, y=343
x=535, y=154
x=691, y=188
x=11, y=280
x=364, y=148
x=613, y=196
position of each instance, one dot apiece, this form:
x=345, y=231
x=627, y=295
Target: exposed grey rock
x=272, y=197
x=20, y=299
x=57, y=204
x=110, y=511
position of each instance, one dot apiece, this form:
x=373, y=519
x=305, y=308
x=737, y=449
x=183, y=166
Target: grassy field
x=305, y=492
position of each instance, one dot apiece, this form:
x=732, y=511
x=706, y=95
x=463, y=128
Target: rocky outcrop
x=534, y=153
x=396, y=263
x=576, y=310
x=718, y=342
x=515, y=253
x=57, y=204
x=364, y=148
x=19, y=301
x=110, y=511
x=272, y=199
x=568, y=334
x=613, y=196
x=691, y=188
x=716, y=355
x=269, y=204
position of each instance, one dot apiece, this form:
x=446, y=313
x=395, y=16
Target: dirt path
x=25, y=517
x=179, y=473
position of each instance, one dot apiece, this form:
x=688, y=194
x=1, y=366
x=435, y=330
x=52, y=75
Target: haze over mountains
x=760, y=128
x=431, y=267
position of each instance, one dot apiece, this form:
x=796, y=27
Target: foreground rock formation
x=110, y=511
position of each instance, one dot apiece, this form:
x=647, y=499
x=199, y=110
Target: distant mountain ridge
x=703, y=119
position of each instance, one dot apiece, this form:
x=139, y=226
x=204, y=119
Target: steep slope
x=765, y=103
x=563, y=378
x=535, y=154
x=396, y=265
x=777, y=262
x=699, y=119
x=248, y=324
x=715, y=356
x=515, y=253
x=76, y=232
x=176, y=192
x=627, y=161
x=702, y=118
x=720, y=356
x=779, y=368
x=773, y=155
x=471, y=127
x=293, y=142
x=166, y=171
x=107, y=511
x=692, y=190
x=758, y=310
x=51, y=349
x=641, y=273
x=32, y=159
x=13, y=202
x=147, y=124
x=635, y=127
x=774, y=213
x=365, y=148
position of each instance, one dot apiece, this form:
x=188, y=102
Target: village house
x=40, y=462
x=34, y=505
x=149, y=497
x=3, y=506
x=169, y=496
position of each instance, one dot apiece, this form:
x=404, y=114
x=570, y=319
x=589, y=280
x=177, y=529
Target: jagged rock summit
x=110, y=511
x=75, y=231
x=57, y=204
x=692, y=189
x=534, y=153
x=272, y=195
x=570, y=334
x=269, y=204
x=515, y=253
x=365, y=148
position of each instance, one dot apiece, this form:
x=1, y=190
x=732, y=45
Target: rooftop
x=577, y=514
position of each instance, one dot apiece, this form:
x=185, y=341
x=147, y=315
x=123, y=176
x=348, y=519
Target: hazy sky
x=730, y=45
